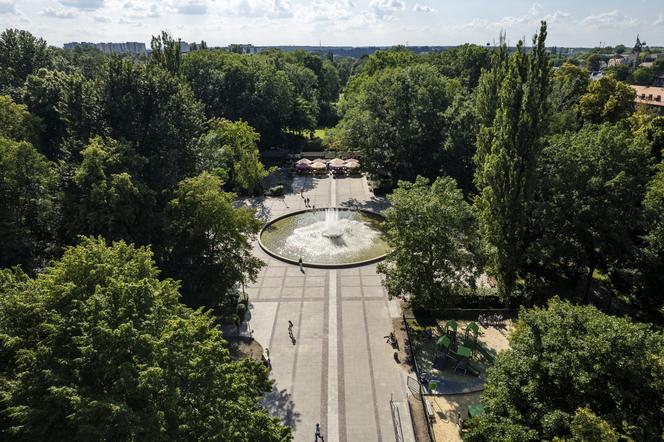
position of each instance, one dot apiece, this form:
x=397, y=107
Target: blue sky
x=338, y=22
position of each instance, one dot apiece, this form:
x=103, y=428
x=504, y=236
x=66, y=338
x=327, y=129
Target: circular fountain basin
x=356, y=239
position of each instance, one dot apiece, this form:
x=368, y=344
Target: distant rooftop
x=650, y=95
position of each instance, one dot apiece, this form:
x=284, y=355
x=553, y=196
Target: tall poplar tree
x=511, y=103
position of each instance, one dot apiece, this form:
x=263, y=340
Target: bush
x=276, y=190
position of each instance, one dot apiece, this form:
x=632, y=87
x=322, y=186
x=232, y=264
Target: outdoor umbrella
x=318, y=165
x=303, y=161
x=444, y=341
x=352, y=164
x=337, y=163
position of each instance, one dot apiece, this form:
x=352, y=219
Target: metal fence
x=417, y=376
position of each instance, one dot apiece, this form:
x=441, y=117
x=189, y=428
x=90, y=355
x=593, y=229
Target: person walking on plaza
x=300, y=264
x=302, y=192
x=318, y=435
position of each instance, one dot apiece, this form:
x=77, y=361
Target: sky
x=339, y=22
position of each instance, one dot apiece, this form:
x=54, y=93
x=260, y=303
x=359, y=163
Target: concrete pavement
x=338, y=371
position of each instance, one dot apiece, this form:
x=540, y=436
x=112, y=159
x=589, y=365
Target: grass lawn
x=320, y=133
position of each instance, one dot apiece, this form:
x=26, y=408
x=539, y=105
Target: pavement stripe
x=319, y=299
x=371, y=370
x=298, y=324
x=332, y=360
x=333, y=191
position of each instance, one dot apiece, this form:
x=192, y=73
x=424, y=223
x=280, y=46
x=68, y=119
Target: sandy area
x=446, y=410
x=494, y=338
x=449, y=408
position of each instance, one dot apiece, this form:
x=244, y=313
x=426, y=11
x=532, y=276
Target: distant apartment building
x=617, y=61
x=650, y=96
x=243, y=48
x=130, y=47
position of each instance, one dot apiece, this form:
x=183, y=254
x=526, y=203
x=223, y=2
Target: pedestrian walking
x=318, y=435
x=302, y=192
x=300, y=264
x=290, y=325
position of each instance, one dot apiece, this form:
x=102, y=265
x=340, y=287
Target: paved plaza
x=338, y=371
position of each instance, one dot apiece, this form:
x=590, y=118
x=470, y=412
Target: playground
x=453, y=357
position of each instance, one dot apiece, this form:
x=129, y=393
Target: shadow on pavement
x=374, y=204
x=279, y=404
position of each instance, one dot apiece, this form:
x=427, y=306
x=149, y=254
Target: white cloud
x=384, y=9
x=129, y=22
x=659, y=21
x=101, y=19
x=7, y=7
x=556, y=17
x=324, y=11
x=609, y=19
x=142, y=11
x=83, y=4
x=57, y=13
x=258, y=8
x=191, y=8
x=536, y=9
x=423, y=8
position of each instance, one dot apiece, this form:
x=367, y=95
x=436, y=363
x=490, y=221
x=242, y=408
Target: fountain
x=332, y=226
x=329, y=237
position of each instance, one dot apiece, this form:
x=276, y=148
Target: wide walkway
x=338, y=370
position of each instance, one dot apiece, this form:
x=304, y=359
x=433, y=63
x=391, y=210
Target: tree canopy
x=590, y=182
x=607, y=100
x=430, y=230
x=98, y=347
x=209, y=241
x=394, y=119
x=230, y=151
x=511, y=100
x=568, y=365
x=28, y=203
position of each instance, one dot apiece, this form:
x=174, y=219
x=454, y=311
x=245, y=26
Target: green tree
x=587, y=427
x=643, y=76
x=28, y=203
x=98, y=348
x=106, y=197
x=566, y=357
x=607, y=100
x=166, y=52
x=156, y=111
x=620, y=72
x=464, y=62
x=511, y=101
x=42, y=92
x=568, y=84
x=21, y=54
x=209, y=241
x=16, y=122
x=654, y=133
x=394, y=119
x=229, y=150
x=430, y=231
x=459, y=141
x=647, y=280
x=590, y=183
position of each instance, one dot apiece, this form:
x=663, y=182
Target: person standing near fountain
x=300, y=264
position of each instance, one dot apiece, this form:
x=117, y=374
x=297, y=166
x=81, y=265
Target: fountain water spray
x=333, y=228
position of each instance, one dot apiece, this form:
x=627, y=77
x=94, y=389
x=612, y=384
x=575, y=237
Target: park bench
x=430, y=414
